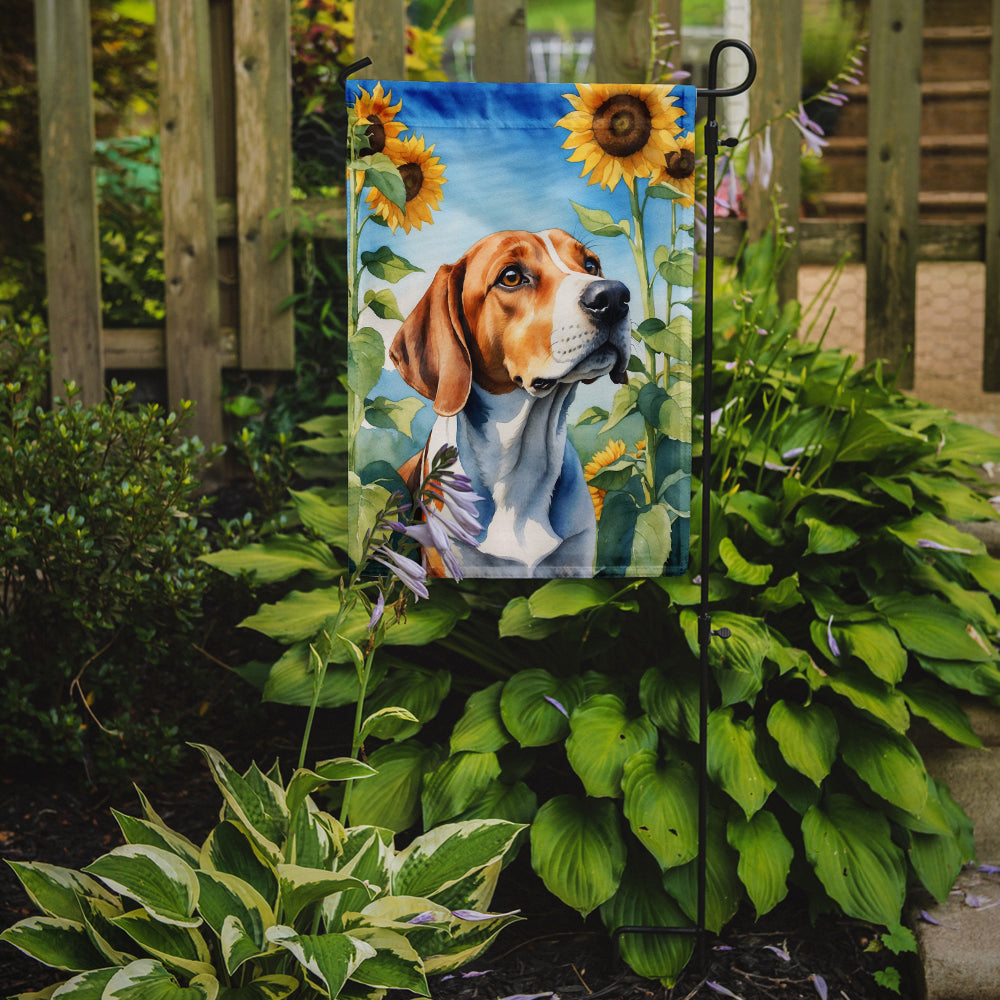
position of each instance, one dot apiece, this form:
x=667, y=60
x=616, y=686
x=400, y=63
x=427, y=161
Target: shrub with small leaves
x=99, y=574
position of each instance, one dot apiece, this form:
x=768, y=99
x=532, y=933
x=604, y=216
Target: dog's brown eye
x=591, y=266
x=511, y=277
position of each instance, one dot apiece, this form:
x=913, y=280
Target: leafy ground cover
x=56, y=819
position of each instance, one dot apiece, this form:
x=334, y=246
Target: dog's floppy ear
x=429, y=349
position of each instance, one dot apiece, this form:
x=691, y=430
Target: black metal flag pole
x=705, y=631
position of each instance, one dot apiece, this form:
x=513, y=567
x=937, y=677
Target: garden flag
x=521, y=261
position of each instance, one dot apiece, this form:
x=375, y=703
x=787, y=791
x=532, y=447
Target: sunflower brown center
x=680, y=164
x=376, y=136
x=622, y=125
x=413, y=179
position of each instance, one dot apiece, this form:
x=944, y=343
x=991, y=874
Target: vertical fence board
x=261, y=57
x=501, y=41
x=991, y=333
x=72, y=256
x=776, y=35
x=190, y=254
x=380, y=34
x=893, y=183
x=621, y=40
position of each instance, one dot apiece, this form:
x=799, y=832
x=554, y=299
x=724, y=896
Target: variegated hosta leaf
x=56, y=891
x=578, y=851
x=481, y=727
x=661, y=799
x=230, y=849
x=765, y=858
x=116, y=947
x=395, y=964
x=256, y=801
x=807, y=736
x=367, y=853
x=850, y=847
x=535, y=706
x=602, y=737
x=86, y=986
x=456, y=784
x=723, y=889
x=54, y=941
x=315, y=838
x=732, y=760
x=468, y=939
x=177, y=947
x=329, y=959
x=301, y=887
x=275, y=987
x=642, y=902
x=149, y=980
x=475, y=891
x=225, y=897
x=441, y=857
x=304, y=782
x=158, y=880
x=141, y=831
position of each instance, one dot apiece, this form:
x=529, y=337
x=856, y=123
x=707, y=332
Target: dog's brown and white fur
x=499, y=342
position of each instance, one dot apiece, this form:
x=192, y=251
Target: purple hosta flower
x=989, y=869
x=475, y=915
x=465, y=975
x=928, y=543
x=719, y=988
x=831, y=642
x=728, y=195
x=558, y=705
x=760, y=165
x=427, y=917
x=820, y=983
x=377, y=612
x=411, y=574
x=430, y=534
x=812, y=134
x=780, y=952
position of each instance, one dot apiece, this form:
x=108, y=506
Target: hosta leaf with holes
x=851, y=850
x=578, y=851
x=456, y=784
x=391, y=798
x=535, y=706
x=147, y=979
x=177, y=947
x=330, y=959
x=54, y=941
x=807, y=735
x=602, y=738
x=481, y=728
x=732, y=760
x=660, y=805
x=641, y=901
x=441, y=857
x=888, y=763
x=724, y=891
x=765, y=858
x=159, y=881
x=56, y=891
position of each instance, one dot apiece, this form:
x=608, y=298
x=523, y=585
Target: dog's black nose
x=605, y=300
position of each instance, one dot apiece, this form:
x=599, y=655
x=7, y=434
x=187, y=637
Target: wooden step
x=945, y=12
x=956, y=53
x=947, y=106
x=957, y=206
x=947, y=162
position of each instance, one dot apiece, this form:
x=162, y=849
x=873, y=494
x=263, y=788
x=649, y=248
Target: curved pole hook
x=712, y=90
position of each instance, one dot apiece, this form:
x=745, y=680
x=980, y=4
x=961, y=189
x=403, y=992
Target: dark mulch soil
x=550, y=952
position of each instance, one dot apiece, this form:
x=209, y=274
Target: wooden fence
x=226, y=161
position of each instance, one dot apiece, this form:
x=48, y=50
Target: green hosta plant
x=855, y=605
x=279, y=900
